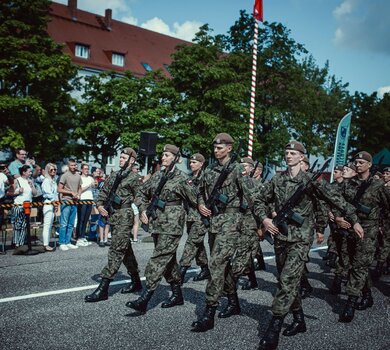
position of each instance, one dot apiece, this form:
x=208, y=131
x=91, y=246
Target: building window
x=147, y=67
x=82, y=51
x=118, y=59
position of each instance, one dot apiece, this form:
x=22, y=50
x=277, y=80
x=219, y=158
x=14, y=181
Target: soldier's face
x=221, y=151
x=386, y=176
x=123, y=159
x=348, y=173
x=337, y=174
x=258, y=172
x=195, y=165
x=292, y=157
x=167, y=158
x=248, y=168
x=362, y=166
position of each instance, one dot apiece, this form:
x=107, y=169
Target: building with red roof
x=100, y=43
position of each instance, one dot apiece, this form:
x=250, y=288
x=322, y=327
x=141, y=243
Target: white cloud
x=382, y=90
x=185, y=31
x=363, y=25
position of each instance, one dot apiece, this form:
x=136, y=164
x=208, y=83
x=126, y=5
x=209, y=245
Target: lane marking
x=115, y=283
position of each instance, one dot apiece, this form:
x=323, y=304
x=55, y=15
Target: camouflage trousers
x=332, y=239
x=194, y=247
x=243, y=256
x=163, y=261
x=384, y=252
x=290, y=262
x=120, y=251
x=345, y=249
x=223, y=237
x=362, y=259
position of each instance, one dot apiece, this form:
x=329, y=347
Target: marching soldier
x=194, y=246
x=223, y=232
x=291, y=250
x=369, y=196
x=167, y=229
x=121, y=222
x=384, y=252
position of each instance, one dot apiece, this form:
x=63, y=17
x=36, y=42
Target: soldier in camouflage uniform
x=291, y=251
x=224, y=232
x=121, y=222
x=194, y=247
x=334, y=236
x=384, y=251
x=249, y=240
x=374, y=197
x=167, y=229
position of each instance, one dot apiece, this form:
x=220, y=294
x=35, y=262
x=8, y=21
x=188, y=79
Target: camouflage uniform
x=194, y=246
x=121, y=223
x=291, y=251
x=384, y=253
x=361, y=257
x=167, y=229
x=224, y=231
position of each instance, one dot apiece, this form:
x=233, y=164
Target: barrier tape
x=41, y=204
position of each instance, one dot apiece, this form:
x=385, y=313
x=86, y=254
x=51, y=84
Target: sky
x=352, y=35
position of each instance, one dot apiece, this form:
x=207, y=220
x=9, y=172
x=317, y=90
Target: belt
x=125, y=206
x=229, y=210
x=173, y=203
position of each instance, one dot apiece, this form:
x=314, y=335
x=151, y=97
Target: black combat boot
x=204, y=274
x=142, y=302
x=332, y=260
x=306, y=288
x=232, y=308
x=298, y=325
x=134, y=286
x=366, y=302
x=336, y=285
x=270, y=339
x=349, y=311
x=377, y=272
x=183, y=271
x=176, y=298
x=100, y=293
x=251, y=283
x=260, y=265
x=206, y=322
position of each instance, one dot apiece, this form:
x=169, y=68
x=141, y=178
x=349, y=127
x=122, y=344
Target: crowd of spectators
x=78, y=225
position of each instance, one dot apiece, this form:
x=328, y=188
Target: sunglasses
x=53, y=170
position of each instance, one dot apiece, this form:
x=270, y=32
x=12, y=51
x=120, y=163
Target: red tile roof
x=138, y=44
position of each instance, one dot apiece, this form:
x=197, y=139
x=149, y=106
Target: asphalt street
x=42, y=307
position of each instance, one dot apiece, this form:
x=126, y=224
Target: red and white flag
x=258, y=10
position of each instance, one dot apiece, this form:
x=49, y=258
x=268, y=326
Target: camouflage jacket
x=282, y=187
x=126, y=190
x=376, y=197
x=235, y=187
x=177, y=190
x=192, y=210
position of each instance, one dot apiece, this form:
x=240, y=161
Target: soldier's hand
x=320, y=237
x=340, y=221
x=270, y=227
x=102, y=211
x=331, y=216
x=359, y=230
x=144, y=218
x=204, y=211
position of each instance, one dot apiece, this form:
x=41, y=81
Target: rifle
x=215, y=195
x=156, y=202
x=113, y=200
x=287, y=214
x=313, y=166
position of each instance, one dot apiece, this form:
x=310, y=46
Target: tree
x=370, y=122
x=35, y=104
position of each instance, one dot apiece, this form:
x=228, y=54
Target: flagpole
x=253, y=90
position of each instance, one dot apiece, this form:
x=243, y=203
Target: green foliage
x=35, y=80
